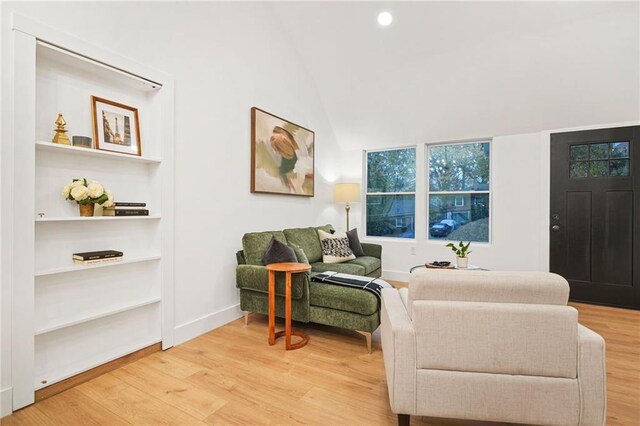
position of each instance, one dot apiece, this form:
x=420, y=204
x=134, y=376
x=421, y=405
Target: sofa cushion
x=354, y=242
x=307, y=239
x=335, y=247
x=345, y=268
x=278, y=252
x=369, y=263
x=255, y=244
x=300, y=254
x=256, y=278
x=342, y=298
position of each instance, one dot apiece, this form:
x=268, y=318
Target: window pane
x=391, y=171
x=598, y=168
x=579, y=169
x=619, y=168
x=579, y=152
x=391, y=216
x=598, y=151
x=620, y=150
x=459, y=167
x=469, y=222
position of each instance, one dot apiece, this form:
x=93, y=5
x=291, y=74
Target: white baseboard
x=395, y=275
x=6, y=402
x=202, y=325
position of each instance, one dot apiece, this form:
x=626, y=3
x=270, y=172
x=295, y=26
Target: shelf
x=90, y=152
x=75, y=268
x=68, y=59
x=94, y=218
x=67, y=372
x=97, y=316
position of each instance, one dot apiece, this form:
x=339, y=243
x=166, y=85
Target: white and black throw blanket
x=373, y=285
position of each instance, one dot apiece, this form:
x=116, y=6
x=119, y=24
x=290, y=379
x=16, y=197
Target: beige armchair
x=495, y=346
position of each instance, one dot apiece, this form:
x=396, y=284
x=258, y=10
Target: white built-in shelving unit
x=69, y=318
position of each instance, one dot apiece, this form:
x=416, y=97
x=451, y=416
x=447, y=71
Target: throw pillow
x=335, y=247
x=278, y=252
x=300, y=254
x=354, y=243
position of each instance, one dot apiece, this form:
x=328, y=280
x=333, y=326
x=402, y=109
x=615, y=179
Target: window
x=391, y=197
x=599, y=159
x=458, y=191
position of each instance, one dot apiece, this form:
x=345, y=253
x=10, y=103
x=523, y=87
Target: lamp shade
x=346, y=192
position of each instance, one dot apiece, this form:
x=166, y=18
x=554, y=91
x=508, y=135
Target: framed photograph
x=282, y=156
x=115, y=126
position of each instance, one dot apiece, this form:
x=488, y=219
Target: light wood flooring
x=231, y=376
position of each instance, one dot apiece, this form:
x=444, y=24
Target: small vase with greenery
x=87, y=193
x=462, y=251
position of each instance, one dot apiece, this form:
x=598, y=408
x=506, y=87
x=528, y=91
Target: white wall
x=225, y=58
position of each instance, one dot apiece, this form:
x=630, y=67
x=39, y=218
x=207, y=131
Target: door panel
x=578, y=236
x=595, y=214
x=618, y=251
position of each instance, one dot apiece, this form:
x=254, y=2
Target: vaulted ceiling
x=456, y=70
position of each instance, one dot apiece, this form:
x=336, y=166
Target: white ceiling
x=456, y=70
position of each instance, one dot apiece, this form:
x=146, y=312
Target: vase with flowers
x=87, y=193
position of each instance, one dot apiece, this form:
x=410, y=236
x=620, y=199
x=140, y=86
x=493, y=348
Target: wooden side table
x=288, y=269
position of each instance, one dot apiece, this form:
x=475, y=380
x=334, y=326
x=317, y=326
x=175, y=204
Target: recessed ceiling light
x=385, y=19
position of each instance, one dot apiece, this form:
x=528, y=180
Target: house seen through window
x=391, y=197
x=458, y=191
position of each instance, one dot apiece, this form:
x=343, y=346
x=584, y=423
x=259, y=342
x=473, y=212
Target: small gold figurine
x=60, y=136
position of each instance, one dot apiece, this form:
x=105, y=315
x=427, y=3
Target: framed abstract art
x=282, y=156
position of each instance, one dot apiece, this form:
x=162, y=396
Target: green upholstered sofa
x=321, y=303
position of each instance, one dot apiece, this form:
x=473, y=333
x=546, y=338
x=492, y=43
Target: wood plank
x=175, y=392
x=135, y=406
x=78, y=379
x=30, y=416
x=78, y=409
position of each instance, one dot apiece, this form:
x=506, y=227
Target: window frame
x=366, y=193
x=428, y=191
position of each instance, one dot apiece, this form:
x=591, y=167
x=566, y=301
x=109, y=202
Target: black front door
x=595, y=214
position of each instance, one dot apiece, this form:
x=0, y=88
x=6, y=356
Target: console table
x=288, y=269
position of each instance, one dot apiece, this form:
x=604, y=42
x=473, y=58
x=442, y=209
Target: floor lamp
x=346, y=193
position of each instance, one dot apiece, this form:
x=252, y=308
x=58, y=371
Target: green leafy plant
x=461, y=250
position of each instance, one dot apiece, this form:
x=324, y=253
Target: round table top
x=288, y=267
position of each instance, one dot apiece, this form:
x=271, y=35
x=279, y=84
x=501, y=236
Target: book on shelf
x=97, y=261
x=125, y=212
x=129, y=204
x=96, y=255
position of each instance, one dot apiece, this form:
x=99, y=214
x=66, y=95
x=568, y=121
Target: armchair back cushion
x=500, y=338
x=479, y=286
x=255, y=244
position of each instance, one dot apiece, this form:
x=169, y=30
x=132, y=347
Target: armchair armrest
x=399, y=352
x=592, y=377
x=256, y=278
x=373, y=250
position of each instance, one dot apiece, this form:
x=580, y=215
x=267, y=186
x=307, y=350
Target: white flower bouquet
x=84, y=191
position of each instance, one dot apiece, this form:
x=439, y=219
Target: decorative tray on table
x=440, y=265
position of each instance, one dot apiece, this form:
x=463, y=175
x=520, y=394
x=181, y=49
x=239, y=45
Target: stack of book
x=126, y=209
x=93, y=257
